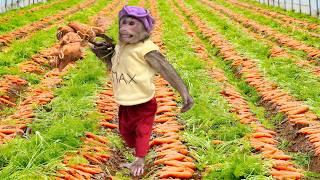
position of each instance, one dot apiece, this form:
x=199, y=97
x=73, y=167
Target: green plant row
x=299, y=35
x=210, y=118
x=18, y=21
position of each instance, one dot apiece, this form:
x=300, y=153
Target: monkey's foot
x=137, y=167
x=125, y=165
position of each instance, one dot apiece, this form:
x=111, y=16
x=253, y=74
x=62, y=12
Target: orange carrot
x=7, y=102
x=87, y=169
x=216, y=142
x=108, y=125
x=180, y=164
x=91, y=158
x=168, y=174
x=99, y=138
x=170, y=157
x=84, y=174
x=261, y=134
x=93, y=142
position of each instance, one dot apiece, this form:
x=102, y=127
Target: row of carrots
x=95, y=150
x=7, y=38
x=38, y=96
x=171, y=152
x=262, y=139
x=95, y=147
x=281, y=39
x=297, y=113
x=282, y=19
x=37, y=64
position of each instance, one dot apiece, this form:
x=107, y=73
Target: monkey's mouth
x=127, y=36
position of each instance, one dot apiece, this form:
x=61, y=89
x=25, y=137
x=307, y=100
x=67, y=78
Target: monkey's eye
x=131, y=23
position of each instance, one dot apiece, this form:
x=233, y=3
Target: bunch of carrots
x=313, y=53
x=282, y=168
x=170, y=150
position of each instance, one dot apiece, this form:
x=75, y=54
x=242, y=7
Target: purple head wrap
x=139, y=13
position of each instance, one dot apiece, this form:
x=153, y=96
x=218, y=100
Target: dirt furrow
x=281, y=39
x=172, y=156
x=288, y=21
x=298, y=115
x=22, y=32
x=263, y=140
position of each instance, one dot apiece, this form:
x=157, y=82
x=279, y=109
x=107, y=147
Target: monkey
x=133, y=64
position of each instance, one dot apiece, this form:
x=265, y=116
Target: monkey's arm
x=167, y=71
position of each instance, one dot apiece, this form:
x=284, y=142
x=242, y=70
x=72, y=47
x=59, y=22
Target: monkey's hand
x=158, y=62
x=103, y=49
x=187, y=102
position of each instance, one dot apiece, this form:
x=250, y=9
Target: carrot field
x=252, y=70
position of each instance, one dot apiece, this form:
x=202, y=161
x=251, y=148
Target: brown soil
x=298, y=142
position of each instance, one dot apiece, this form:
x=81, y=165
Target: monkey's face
x=131, y=30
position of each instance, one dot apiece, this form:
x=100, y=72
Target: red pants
x=135, y=125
